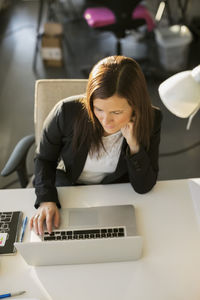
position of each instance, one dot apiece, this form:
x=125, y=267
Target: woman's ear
x=132, y=116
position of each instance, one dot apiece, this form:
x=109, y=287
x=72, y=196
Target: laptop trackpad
x=83, y=218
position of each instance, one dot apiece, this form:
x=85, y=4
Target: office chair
x=117, y=16
x=47, y=93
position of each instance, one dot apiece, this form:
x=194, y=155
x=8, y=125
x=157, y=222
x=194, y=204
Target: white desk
x=169, y=268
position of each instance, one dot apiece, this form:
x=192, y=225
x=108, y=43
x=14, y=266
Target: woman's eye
x=117, y=112
x=97, y=109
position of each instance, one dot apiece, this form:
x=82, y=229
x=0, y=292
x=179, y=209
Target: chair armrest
x=17, y=160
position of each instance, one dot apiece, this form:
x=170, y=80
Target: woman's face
x=113, y=113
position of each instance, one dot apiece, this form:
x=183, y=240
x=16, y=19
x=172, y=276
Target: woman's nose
x=106, y=119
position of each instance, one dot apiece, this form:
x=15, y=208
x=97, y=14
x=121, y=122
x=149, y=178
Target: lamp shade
x=181, y=93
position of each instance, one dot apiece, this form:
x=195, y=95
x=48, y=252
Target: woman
x=109, y=135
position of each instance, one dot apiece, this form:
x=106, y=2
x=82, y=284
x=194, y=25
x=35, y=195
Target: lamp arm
x=191, y=117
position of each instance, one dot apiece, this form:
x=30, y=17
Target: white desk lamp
x=181, y=94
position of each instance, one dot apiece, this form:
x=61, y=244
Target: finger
x=57, y=218
x=49, y=220
x=130, y=124
x=31, y=223
x=35, y=224
x=124, y=129
x=41, y=219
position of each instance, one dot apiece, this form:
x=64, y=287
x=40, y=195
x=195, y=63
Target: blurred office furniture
x=181, y=95
x=39, y=32
x=50, y=11
x=46, y=14
x=117, y=16
x=174, y=36
x=47, y=93
x=179, y=17
x=173, y=47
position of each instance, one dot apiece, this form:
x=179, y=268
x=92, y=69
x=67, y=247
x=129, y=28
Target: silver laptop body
x=85, y=248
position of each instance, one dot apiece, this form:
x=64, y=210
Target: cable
x=181, y=150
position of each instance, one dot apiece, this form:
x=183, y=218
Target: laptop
x=10, y=226
x=86, y=235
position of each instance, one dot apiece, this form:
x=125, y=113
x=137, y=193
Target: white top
x=97, y=166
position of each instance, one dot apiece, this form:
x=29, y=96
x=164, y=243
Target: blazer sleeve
x=143, y=166
x=47, y=156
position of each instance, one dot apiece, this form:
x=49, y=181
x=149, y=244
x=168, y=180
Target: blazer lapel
x=121, y=166
x=79, y=162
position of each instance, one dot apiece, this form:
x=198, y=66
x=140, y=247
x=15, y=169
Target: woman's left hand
x=128, y=133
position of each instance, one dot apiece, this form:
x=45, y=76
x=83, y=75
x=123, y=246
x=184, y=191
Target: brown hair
x=122, y=76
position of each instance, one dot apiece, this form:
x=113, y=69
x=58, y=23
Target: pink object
x=99, y=16
x=141, y=12
x=102, y=16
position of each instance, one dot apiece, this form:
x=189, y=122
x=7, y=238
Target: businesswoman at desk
x=109, y=135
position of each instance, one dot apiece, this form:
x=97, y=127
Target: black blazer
x=140, y=169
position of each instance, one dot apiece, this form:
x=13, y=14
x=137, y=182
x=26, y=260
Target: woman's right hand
x=47, y=212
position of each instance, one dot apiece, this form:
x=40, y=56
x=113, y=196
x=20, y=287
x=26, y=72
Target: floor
x=82, y=48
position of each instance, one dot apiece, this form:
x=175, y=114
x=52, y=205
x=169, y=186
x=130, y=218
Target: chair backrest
x=48, y=92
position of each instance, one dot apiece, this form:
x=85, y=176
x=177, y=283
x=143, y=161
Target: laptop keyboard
x=60, y=235
x=5, y=219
